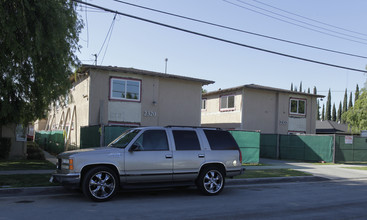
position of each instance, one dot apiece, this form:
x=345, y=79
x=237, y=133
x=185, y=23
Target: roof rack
x=183, y=126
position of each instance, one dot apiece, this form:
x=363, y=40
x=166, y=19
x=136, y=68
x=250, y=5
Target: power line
x=109, y=34
x=302, y=26
x=310, y=19
x=220, y=39
x=239, y=30
x=302, y=22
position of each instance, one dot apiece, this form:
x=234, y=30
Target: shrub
x=34, y=152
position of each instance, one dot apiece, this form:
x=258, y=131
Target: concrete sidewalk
x=333, y=172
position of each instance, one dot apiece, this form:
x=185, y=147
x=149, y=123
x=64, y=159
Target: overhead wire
x=299, y=21
x=219, y=39
x=310, y=19
x=109, y=33
x=302, y=26
x=242, y=31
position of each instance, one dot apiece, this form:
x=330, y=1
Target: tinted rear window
x=220, y=140
x=186, y=140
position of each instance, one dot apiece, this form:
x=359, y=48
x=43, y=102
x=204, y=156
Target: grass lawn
x=25, y=180
x=26, y=165
x=356, y=168
x=271, y=173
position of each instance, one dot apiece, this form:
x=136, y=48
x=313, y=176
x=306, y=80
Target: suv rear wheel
x=100, y=184
x=211, y=180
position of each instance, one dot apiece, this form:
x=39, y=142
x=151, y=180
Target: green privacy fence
x=297, y=147
x=249, y=143
x=90, y=136
x=268, y=146
x=111, y=133
x=350, y=149
x=306, y=147
x=51, y=141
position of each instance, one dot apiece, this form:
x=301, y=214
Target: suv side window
x=186, y=140
x=220, y=140
x=152, y=140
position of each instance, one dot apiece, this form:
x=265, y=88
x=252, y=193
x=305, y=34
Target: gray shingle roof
x=259, y=87
x=143, y=72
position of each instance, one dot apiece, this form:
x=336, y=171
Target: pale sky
x=337, y=25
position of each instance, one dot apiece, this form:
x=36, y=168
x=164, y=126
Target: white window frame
x=227, y=108
x=125, y=81
x=298, y=101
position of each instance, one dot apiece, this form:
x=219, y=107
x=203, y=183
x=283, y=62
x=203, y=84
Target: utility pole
x=95, y=58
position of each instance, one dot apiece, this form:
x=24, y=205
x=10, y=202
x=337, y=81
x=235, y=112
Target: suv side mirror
x=135, y=147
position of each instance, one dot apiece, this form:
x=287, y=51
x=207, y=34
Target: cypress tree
x=350, y=105
x=314, y=90
x=356, y=95
x=308, y=90
x=333, y=116
x=318, y=110
x=323, y=112
x=345, y=107
x=328, y=107
x=300, y=86
x=339, y=115
x=291, y=86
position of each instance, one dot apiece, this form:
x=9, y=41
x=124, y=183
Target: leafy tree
x=339, y=115
x=328, y=107
x=356, y=117
x=333, y=114
x=38, y=41
x=356, y=94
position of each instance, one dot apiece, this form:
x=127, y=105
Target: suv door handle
x=169, y=156
x=201, y=155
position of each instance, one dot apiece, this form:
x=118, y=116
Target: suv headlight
x=67, y=164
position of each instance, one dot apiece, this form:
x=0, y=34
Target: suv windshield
x=124, y=139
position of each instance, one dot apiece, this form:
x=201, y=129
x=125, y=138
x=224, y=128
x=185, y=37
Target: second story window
x=125, y=89
x=227, y=102
x=297, y=107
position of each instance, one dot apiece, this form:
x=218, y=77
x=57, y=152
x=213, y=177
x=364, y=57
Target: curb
x=60, y=190
x=31, y=191
x=275, y=180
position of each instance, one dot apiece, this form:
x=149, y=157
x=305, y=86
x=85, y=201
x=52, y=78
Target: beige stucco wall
x=260, y=111
x=164, y=101
x=212, y=116
x=267, y=111
x=78, y=104
x=179, y=102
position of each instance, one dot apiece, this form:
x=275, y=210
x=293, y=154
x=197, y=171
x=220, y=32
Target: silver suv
x=153, y=156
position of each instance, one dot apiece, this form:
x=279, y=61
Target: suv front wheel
x=211, y=180
x=100, y=184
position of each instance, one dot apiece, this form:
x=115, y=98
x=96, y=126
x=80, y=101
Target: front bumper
x=70, y=179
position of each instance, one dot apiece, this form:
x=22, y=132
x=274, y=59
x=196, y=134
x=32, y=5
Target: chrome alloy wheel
x=102, y=185
x=213, y=181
